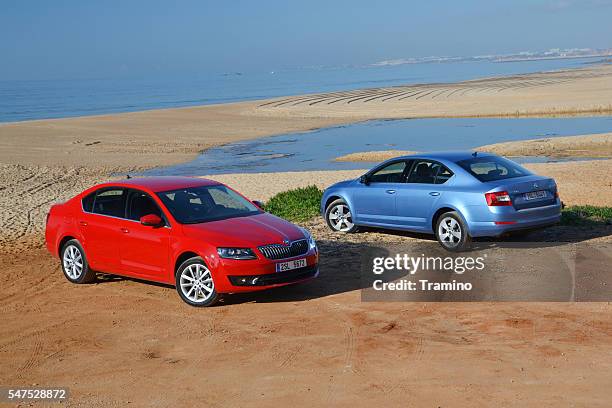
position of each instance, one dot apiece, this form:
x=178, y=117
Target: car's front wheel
x=74, y=263
x=195, y=284
x=339, y=217
x=452, y=233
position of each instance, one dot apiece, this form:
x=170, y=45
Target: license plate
x=287, y=266
x=534, y=195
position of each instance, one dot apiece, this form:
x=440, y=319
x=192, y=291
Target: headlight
x=311, y=242
x=236, y=253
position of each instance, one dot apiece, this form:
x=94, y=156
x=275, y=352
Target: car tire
x=74, y=263
x=452, y=233
x=339, y=218
x=195, y=283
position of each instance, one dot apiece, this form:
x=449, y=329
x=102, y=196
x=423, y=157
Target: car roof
x=161, y=183
x=450, y=156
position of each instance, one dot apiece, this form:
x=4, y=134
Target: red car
x=196, y=234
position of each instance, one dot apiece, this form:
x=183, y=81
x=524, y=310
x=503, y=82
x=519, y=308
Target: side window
x=423, y=172
x=428, y=172
x=110, y=202
x=442, y=174
x=392, y=173
x=140, y=204
x=88, y=202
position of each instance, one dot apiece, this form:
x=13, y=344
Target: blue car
x=455, y=195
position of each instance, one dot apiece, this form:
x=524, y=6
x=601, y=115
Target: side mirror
x=151, y=220
x=364, y=179
x=259, y=204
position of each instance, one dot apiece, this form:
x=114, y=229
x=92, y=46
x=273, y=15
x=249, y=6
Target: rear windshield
x=493, y=168
x=207, y=203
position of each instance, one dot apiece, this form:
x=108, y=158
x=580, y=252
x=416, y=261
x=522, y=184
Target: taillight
x=499, y=198
x=556, y=193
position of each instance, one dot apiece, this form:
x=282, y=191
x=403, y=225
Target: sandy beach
x=555, y=93
x=48, y=160
x=162, y=137
x=317, y=342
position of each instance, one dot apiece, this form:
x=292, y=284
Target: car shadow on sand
x=339, y=271
x=342, y=261
x=552, y=236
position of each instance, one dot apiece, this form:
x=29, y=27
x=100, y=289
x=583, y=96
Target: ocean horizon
x=22, y=100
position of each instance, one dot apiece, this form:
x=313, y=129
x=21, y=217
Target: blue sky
x=105, y=39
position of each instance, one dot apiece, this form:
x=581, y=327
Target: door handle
x=125, y=230
x=83, y=223
x=434, y=193
x=390, y=191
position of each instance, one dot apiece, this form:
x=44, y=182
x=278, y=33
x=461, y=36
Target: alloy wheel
x=449, y=232
x=73, y=262
x=196, y=283
x=340, y=218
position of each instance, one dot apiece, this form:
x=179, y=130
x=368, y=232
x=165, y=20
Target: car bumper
x=507, y=219
x=275, y=279
x=232, y=276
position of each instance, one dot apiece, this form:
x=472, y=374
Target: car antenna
x=128, y=177
x=475, y=154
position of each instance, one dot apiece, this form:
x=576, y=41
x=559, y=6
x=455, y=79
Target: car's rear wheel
x=339, y=217
x=452, y=233
x=74, y=263
x=195, y=283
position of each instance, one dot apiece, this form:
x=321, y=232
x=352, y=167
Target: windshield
x=206, y=203
x=493, y=168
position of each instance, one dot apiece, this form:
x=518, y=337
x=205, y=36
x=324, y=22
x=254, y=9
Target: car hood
x=342, y=184
x=251, y=231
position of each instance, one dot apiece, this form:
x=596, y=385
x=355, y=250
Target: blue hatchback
x=456, y=196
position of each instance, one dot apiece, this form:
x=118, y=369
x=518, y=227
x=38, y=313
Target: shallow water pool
x=316, y=150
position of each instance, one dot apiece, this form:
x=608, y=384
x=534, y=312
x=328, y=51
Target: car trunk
x=529, y=191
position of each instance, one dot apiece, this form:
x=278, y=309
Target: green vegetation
x=586, y=215
x=300, y=204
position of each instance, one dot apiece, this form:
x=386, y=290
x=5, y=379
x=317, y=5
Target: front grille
x=295, y=275
x=278, y=251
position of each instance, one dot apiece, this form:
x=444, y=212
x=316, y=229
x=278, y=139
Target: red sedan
x=197, y=234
